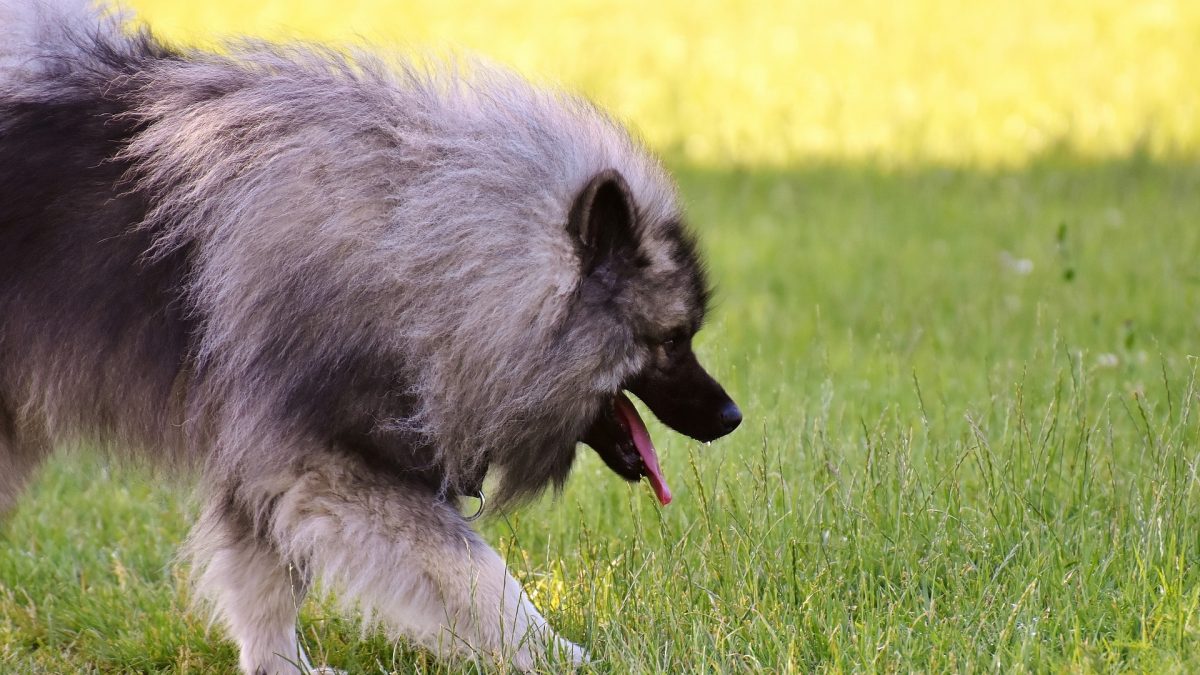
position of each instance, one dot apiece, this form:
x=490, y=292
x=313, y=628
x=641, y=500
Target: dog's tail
x=35, y=33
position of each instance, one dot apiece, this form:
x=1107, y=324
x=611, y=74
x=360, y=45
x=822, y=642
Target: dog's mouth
x=620, y=438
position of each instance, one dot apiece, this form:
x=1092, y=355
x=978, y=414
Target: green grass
x=971, y=443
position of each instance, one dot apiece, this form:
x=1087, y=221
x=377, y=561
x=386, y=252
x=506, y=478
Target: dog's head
x=645, y=279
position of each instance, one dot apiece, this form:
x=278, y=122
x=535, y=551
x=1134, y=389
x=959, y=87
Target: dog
x=341, y=291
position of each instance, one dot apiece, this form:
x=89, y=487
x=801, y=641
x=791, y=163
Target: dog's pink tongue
x=641, y=441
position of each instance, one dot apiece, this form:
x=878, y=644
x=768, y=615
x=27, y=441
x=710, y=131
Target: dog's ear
x=602, y=220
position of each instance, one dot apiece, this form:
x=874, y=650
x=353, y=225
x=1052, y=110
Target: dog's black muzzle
x=686, y=398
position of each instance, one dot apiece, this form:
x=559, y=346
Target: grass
x=957, y=281
x=971, y=444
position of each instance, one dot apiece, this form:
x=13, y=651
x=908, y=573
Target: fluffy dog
x=342, y=292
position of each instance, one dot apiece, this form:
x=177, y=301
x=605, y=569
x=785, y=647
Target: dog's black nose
x=731, y=417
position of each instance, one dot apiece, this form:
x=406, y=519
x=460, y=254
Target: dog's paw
x=556, y=655
x=565, y=652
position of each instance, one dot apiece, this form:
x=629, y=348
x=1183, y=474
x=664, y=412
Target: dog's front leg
x=484, y=609
x=253, y=590
x=410, y=561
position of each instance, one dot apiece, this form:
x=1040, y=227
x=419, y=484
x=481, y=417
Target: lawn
x=968, y=370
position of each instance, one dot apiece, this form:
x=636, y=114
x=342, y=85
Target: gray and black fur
x=342, y=290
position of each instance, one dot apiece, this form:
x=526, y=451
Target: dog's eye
x=669, y=345
x=672, y=342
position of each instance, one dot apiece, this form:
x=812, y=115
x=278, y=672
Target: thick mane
x=409, y=211
x=376, y=252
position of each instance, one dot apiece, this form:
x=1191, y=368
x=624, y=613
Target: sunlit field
x=955, y=246
x=779, y=82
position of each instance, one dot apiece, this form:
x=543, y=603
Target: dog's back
x=93, y=335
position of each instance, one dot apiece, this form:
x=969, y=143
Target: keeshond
x=342, y=291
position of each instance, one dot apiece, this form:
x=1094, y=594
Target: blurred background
x=769, y=82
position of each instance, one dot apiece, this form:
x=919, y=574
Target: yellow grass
x=981, y=83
